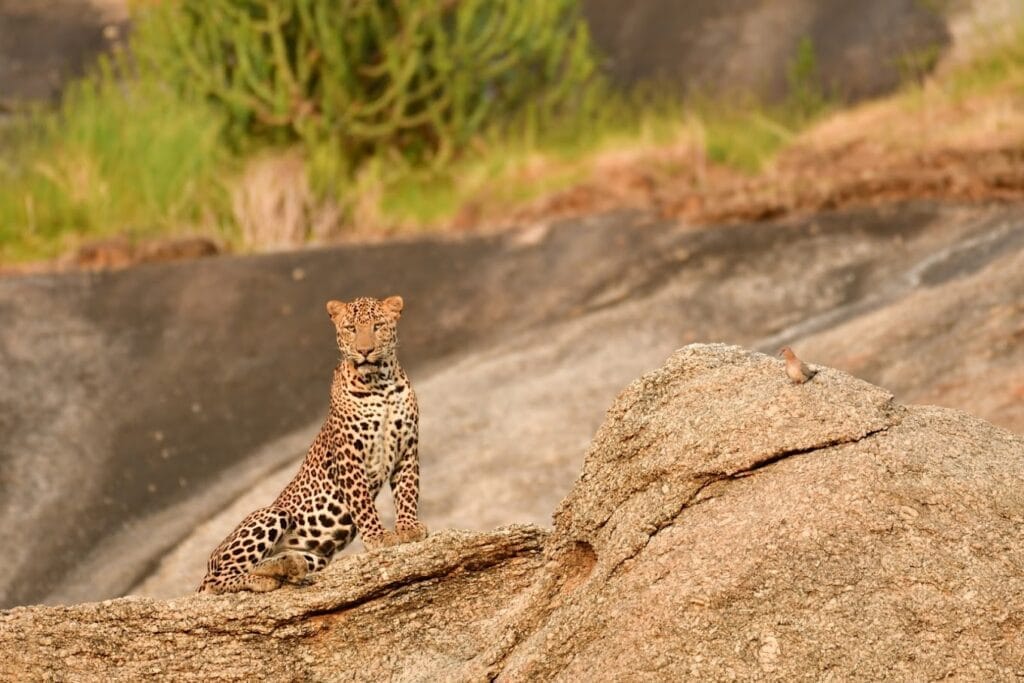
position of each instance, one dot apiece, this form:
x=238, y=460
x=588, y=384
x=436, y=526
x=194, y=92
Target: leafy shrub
x=411, y=80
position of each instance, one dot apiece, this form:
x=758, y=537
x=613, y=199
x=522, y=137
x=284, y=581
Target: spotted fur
x=370, y=435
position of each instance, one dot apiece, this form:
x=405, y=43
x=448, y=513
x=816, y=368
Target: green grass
x=115, y=158
x=744, y=139
x=745, y=134
x=1000, y=67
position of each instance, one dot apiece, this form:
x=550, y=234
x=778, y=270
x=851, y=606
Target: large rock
x=435, y=598
x=957, y=344
x=727, y=524
x=44, y=43
x=516, y=345
x=729, y=47
x=740, y=526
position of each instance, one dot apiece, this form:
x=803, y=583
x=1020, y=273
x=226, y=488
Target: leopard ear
x=393, y=305
x=336, y=309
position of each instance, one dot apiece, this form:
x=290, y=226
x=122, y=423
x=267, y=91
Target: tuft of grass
x=1000, y=67
x=915, y=66
x=119, y=156
x=744, y=139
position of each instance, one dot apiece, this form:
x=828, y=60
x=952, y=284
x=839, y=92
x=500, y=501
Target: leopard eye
x=350, y=328
x=377, y=327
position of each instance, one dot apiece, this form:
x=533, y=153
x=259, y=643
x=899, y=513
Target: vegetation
x=504, y=170
x=403, y=114
x=1001, y=67
x=409, y=86
x=117, y=156
x=403, y=79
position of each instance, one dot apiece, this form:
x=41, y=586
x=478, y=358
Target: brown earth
x=802, y=183
x=727, y=524
x=943, y=141
x=804, y=180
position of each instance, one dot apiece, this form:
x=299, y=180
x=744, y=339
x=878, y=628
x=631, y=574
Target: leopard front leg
x=352, y=480
x=405, y=489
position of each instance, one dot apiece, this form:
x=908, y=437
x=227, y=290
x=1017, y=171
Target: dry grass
x=271, y=201
x=959, y=137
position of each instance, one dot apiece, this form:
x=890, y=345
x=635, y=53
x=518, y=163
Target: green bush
x=409, y=80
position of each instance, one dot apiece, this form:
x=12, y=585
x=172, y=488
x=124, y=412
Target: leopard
x=371, y=433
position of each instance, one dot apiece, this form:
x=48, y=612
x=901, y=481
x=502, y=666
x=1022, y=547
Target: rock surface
x=961, y=344
x=506, y=422
x=730, y=47
x=157, y=406
x=727, y=524
x=742, y=527
x=44, y=43
x=436, y=598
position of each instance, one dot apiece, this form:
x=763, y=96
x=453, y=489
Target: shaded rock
x=44, y=43
x=725, y=47
x=727, y=524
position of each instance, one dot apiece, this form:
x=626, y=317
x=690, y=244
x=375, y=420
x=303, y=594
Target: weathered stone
x=743, y=527
x=437, y=597
x=727, y=525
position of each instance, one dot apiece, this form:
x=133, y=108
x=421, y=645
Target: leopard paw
x=384, y=539
x=286, y=567
x=260, y=584
x=410, y=532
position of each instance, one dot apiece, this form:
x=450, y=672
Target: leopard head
x=367, y=331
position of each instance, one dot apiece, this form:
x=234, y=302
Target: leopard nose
x=364, y=342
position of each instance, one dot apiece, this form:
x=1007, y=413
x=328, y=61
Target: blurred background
x=564, y=191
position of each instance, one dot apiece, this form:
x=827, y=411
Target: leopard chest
x=374, y=431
